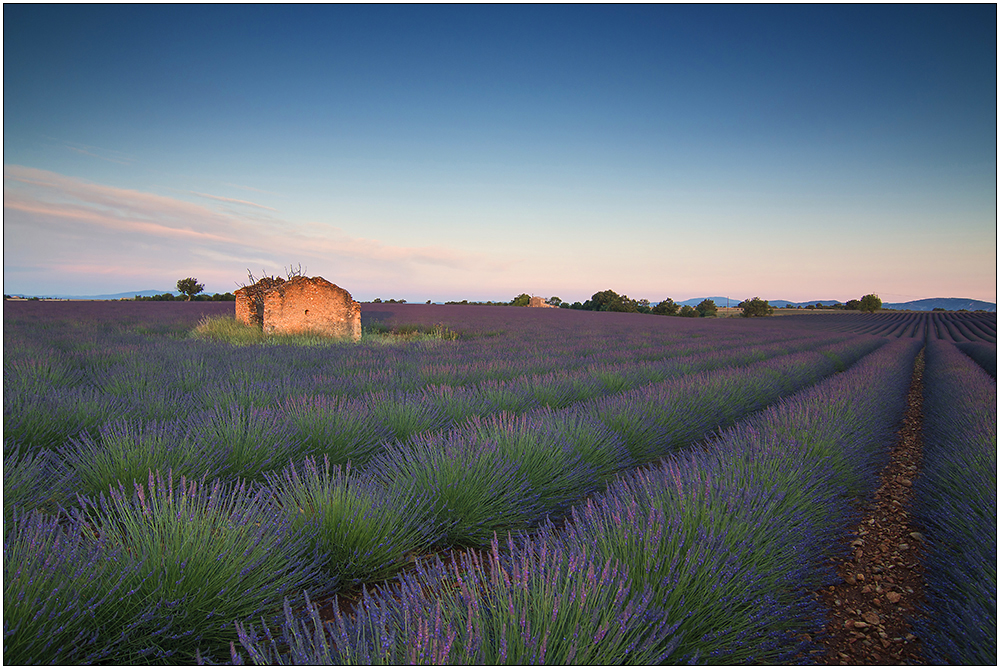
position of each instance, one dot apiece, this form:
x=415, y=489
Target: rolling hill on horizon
x=926, y=304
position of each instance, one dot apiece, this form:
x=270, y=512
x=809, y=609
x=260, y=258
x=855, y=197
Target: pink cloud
x=232, y=200
x=49, y=198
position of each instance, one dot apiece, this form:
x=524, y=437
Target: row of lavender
x=158, y=563
x=711, y=555
x=957, y=327
x=957, y=507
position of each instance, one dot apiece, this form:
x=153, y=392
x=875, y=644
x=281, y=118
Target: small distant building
x=539, y=302
x=300, y=304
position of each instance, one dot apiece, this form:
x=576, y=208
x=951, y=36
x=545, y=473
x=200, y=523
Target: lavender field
x=550, y=486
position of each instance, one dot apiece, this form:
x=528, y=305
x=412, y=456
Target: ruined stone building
x=539, y=302
x=300, y=304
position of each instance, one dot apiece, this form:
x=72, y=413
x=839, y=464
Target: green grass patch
x=231, y=331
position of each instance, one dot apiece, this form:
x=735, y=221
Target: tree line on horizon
x=609, y=300
x=605, y=300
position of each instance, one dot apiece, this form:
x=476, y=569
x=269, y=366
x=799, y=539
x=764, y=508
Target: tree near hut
x=189, y=287
x=871, y=303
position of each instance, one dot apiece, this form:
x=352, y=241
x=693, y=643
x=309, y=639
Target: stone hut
x=300, y=304
x=539, y=302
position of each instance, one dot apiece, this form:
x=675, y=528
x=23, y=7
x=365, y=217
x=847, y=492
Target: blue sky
x=477, y=152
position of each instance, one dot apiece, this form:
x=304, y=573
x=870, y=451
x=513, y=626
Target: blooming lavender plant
x=720, y=557
x=600, y=447
x=249, y=441
x=534, y=602
x=48, y=421
x=29, y=481
x=125, y=451
x=340, y=429
x=475, y=488
x=197, y=556
x=555, y=470
x=984, y=353
x=364, y=531
x=406, y=414
x=63, y=591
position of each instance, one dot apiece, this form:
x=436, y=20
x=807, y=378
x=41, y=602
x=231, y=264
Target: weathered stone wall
x=246, y=309
x=250, y=300
x=304, y=304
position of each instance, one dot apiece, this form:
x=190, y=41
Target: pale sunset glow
x=478, y=152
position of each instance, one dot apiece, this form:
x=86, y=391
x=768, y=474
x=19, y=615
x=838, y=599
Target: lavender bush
x=250, y=441
x=340, y=429
x=475, y=487
x=556, y=472
x=126, y=451
x=63, y=591
x=196, y=556
x=364, y=531
x=532, y=603
x=29, y=481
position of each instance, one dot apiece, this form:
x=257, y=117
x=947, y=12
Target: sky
x=441, y=152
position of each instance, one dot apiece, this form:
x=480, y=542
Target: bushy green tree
x=755, y=308
x=521, y=300
x=554, y=301
x=666, y=308
x=189, y=287
x=871, y=303
x=609, y=300
x=853, y=305
x=688, y=311
x=707, y=308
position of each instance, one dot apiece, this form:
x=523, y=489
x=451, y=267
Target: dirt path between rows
x=883, y=578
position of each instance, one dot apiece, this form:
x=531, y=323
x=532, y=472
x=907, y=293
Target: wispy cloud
x=232, y=200
x=98, y=152
x=72, y=223
x=252, y=189
x=94, y=155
